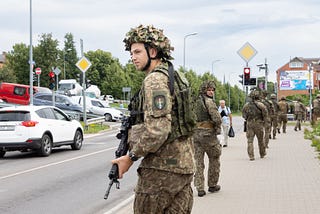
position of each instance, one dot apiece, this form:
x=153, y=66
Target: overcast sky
x=277, y=29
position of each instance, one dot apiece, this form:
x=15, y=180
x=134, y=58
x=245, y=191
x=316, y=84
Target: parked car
x=97, y=107
x=37, y=128
x=15, y=93
x=61, y=101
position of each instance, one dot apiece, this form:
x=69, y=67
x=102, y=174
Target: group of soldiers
x=264, y=117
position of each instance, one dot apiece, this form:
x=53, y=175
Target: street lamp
x=214, y=61
x=64, y=62
x=184, y=48
x=229, y=90
x=264, y=67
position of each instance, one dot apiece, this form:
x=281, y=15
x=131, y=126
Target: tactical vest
x=183, y=118
x=201, y=110
x=254, y=112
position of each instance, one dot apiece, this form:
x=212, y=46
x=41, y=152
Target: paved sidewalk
x=286, y=181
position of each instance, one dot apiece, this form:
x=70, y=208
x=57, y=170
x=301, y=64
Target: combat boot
x=295, y=129
x=216, y=188
x=201, y=193
x=278, y=131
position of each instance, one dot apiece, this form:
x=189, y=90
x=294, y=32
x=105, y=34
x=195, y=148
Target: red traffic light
x=246, y=73
x=51, y=74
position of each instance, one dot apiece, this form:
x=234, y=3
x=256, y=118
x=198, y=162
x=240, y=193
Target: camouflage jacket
x=254, y=111
x=149, y=139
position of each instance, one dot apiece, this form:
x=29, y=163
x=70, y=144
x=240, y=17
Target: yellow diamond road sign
x=83, y=64
x=247, y=52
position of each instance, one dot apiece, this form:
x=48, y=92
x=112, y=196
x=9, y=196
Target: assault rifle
x=121, y=151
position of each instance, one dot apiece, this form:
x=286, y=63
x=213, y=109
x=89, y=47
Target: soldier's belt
x=206, y=125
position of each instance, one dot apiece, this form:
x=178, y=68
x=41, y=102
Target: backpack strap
x=171, y=77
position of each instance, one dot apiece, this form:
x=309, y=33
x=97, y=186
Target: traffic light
x=34, y=77
x=52, y=80
x=241, y=79
x=246, y=76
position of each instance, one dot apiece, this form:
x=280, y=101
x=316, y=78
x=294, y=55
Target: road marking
x=55, y=163
x=121, y=205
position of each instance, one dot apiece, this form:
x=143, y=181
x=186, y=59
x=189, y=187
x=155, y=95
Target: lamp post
x=31, y=58
x=229, y=89
x=214, y=61
x=64, y=62
x=184, y=48
x=265, y=67
x=310, y=68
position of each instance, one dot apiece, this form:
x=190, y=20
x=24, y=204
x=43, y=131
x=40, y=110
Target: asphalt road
x=65, y=182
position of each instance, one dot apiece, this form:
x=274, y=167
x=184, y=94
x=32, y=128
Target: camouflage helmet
x=207, y=84
x=318, y=96
x=151, y=36
x=283, y=98
x=273, y=96
x=254, y=95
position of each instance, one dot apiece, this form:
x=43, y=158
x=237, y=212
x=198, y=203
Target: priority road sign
x=83, y=64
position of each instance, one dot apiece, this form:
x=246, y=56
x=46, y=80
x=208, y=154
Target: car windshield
x=65, y=86
x=14, y=115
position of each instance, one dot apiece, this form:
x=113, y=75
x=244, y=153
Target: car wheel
x=46, y=146
x=107, y=117
x=2, y=153
x=77, y=141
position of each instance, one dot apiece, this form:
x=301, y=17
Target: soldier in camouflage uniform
x=206, y=140
x=299, y=111
x=316, y=109
x=270, y=109
x=256, y=115
x=274, y=117
x=167, y=168
x=283, y=111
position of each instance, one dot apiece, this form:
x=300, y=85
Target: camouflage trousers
x=160, y=191
x=299, y=117
x=282, y=121
x=255, y=128
x=206, y=142
x=274, y=125
x=267, y=132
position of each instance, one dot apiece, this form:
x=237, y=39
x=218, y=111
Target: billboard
x=295, y=80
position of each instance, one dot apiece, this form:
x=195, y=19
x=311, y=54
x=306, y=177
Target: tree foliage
x=106, y=71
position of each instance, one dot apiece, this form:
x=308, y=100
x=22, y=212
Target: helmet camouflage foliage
x=151, y=36
x=283, y=98
x=207, y=84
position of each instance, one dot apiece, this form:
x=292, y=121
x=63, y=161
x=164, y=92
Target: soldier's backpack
x=183, y=118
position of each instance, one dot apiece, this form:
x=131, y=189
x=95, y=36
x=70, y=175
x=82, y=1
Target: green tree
x=69, y=59
x=7, y=75
x=46, y=56
x=17, y=62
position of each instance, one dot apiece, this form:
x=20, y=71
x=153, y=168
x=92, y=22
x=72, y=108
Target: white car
x=38, y=128
x=96, y=106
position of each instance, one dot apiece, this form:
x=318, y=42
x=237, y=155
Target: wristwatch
x=133, y=156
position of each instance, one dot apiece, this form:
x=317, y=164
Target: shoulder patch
x=160, y=103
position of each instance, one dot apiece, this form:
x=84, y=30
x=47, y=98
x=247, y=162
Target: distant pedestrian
x=226, y=117
x=283, y=117
x=299, y=112
x=206, y=140
x=274, y=117
x=316, y=109
x=255, y=113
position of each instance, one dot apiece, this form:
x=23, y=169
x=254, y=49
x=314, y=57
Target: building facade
x=297, y=76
